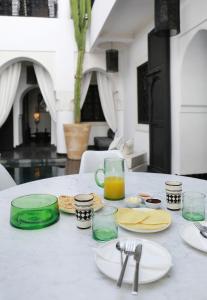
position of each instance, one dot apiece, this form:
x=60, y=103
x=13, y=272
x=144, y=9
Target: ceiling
x=126, y=19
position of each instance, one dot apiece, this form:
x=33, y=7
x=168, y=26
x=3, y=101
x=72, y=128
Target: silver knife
x=137, y=257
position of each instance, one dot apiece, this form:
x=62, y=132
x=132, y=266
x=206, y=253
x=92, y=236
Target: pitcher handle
x=101, y=184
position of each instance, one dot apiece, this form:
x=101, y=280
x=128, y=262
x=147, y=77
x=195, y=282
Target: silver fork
x=202, y=229
x=129, y=250
x=120, y=246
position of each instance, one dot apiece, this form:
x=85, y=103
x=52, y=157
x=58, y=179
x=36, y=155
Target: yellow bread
x=141, y=219
x=130, y=216
x=145, y=226
x=157, y=217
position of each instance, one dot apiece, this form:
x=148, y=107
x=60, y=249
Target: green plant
x=81, y=14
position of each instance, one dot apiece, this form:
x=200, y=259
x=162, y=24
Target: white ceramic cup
x=83, y=210
x=173, y=194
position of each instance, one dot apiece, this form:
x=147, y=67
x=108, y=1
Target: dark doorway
x=159, y=103
x=36, y=121
x=92, y=109
x=6, y=133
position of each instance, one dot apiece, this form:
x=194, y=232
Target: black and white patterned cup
x=173, y=194
x=84, y=210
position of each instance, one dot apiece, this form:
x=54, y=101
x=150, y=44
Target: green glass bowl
x=34, y=211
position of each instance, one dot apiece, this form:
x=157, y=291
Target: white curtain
x=84, y=87
x=46, y=87
x=107, y=100
x=9, y=80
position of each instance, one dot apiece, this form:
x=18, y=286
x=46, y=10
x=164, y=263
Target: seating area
x=135, y=161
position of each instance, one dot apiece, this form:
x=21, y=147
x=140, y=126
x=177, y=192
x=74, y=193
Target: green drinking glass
x=34, y=211
x=193, y=206
x=104, y=225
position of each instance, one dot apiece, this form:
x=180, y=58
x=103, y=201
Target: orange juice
x=114, y=188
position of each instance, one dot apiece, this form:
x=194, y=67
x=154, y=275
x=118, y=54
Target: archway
x=43, y=80
x=36, y=120
x=194, y=106
x=98, y=92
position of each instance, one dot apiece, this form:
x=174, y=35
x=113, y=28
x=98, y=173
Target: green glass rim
x=112, y=210
x=194, y=194
x=35, y=195
x=114, y=159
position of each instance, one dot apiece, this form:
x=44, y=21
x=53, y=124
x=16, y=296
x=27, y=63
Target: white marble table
x=57, y=262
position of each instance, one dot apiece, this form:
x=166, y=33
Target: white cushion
x=128, y=147
x=116, y=144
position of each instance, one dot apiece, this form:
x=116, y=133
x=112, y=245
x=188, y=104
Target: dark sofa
x=103, y=142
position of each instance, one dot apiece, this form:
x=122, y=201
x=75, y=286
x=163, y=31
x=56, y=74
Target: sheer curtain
x=84, y=87
x=9, y=80
x=46, y=87
x=107, y=100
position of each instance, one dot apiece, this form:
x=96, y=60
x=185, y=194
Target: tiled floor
x=32, y=162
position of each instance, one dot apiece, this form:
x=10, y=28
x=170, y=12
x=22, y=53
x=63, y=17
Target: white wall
x=100, y=12
x=188, y=90
x=130, y=58
x=49, y=42
x=194, y=106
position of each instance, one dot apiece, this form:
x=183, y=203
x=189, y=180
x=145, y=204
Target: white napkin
x=152, y=257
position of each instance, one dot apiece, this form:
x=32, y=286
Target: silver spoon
x=120, y=247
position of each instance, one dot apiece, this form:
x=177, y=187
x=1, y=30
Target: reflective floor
x=32, y=162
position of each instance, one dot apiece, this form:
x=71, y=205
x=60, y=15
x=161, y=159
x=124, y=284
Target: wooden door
x=159, y=102
x=6, y=134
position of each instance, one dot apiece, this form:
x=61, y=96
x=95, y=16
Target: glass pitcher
x=113, y=184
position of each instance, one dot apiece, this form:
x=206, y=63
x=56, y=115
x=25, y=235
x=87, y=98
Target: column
x=15, y=7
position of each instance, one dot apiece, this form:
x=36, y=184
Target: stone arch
x=17, y=139
x=194, y=70
x=94, y=69
x=24, y=59
x=193, y=122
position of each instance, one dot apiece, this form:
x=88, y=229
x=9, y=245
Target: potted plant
x=76, y=135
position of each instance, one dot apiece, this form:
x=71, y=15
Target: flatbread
x=143, y=219
x=145, y=226
x=130, y=216
x=157, y=217
x=67, y=203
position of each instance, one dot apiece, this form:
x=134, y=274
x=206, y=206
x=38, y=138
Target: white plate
x=165, y=226
x=191, y=235
x=155, y=262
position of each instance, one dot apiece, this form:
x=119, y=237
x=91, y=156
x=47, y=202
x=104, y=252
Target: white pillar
x=64, y=115
x=63, y=9
x=175, y=104
x=53, y=133
x=15, y=7
x=51, y=8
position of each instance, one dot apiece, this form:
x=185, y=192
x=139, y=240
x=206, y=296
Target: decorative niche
x=142, y=94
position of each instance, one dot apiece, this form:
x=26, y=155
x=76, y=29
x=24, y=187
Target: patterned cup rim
x=173, y=183
x=84, y=197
